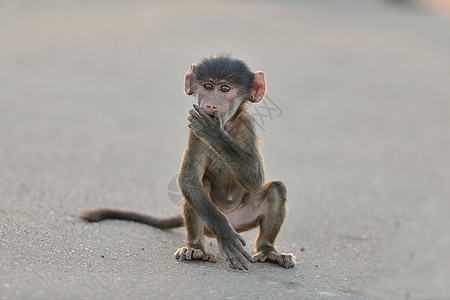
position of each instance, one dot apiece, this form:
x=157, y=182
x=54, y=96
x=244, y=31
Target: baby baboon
x=222, y=173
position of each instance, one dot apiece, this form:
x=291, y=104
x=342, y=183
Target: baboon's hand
x=232, y=249
x=203, y=125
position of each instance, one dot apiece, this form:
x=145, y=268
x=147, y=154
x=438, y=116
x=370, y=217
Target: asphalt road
x=357, y=124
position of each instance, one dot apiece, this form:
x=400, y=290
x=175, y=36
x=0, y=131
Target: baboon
x=221, y=177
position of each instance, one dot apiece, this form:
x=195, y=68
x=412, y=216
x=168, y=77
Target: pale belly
x=227, y=198
x=240, y=208
x=230, y=197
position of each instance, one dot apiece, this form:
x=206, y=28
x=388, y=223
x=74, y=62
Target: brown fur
x=222, y=174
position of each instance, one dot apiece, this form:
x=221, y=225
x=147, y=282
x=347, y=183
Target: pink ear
x=189, y=81
x=259, y=87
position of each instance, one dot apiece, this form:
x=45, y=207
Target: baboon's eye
x=208, y=86
x=225, y=88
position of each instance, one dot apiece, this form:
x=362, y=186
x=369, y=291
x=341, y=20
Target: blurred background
x=356, y=122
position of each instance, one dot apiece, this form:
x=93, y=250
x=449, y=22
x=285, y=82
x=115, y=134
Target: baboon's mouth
x=212, y=116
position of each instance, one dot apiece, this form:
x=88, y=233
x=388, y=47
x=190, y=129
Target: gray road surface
x=92, y=113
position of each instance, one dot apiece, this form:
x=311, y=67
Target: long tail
x=98, y=214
